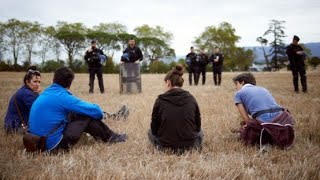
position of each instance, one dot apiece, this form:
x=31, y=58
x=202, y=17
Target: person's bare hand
x=215, y=60
x=137, y=61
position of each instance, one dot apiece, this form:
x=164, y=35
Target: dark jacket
x=176, y=119
x=294, y=58
x=25, y=98
x=92, y=57
x=203, y=59
x=191, y=59
x=220, y=60
x=133, y=53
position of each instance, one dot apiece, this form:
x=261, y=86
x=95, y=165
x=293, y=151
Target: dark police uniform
x=92, y=58
x=297, y=66
x=203, y=61
x=133, y=54
x=130, y=55
x=191, y=60
x=217, y=67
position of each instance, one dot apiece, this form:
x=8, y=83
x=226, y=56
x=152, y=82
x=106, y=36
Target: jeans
x=268, y=117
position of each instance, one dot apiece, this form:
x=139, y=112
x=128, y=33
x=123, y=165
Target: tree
x=158, y=67
x=244, y=58
x=154, y=48
x=14, y=30
x=222, y=36
x=52, y=65
x=264, y=43
x=72, y=36
x=109, y=68
x=109, y=43
x=3, y=47
x=32, y=31
x=49, y=43
x=314, y=61
x=157, y=32
x=111, y=28
x=154, y=42
x=276, y=30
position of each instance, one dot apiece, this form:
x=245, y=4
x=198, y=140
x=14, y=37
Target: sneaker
x=116, y=138
x=123, y=112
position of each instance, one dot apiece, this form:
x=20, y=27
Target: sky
x=185, y=19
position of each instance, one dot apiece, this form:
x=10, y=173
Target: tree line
x=21, y=42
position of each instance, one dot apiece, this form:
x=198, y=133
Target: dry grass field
x=222, y=157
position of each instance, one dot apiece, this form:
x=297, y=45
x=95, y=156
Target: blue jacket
x=51, y=110
x=25, y=98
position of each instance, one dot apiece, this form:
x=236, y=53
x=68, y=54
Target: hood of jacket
x=176, y=96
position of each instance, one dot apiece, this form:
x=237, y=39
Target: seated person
x=259, y=103
x=176, y=121
x=17, y=116
x=56, y=109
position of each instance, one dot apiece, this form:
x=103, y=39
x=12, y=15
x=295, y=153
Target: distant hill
x=314, y=47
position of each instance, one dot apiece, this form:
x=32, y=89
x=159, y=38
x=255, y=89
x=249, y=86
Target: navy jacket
x=25, y=98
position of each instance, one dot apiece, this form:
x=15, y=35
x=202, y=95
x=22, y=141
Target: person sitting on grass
x=176, y=121
x=56, y=109
x=17, y=117
x=269, y=122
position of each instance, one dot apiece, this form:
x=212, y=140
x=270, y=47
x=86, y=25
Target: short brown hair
x=175, y=76
x=247, y=78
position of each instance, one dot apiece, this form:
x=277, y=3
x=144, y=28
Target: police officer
x=296, y=57
x=93, y=59
x=217, y=61
x=191, y=59
x=132, y=53
x=203, y=61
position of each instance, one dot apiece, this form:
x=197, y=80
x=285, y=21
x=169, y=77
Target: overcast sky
x=185, y=19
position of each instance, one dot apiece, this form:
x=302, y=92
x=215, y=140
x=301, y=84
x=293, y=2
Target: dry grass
x=223, y=156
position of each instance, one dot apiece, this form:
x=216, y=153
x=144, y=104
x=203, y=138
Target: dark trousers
x=296, y=70
x=93, y=71
x=155, y=141
x=203, y=73
x=217, y=70
x=190, y=71
x=77, y=125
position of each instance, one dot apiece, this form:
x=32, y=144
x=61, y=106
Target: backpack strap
x=23, y=124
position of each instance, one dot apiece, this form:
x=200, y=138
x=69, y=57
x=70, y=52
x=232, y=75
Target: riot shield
x=130, y=78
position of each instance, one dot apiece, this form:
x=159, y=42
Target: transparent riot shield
x=130, y=78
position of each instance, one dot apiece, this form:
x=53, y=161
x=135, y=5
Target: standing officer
x=191, y=59
x=203, y=61
x=132, y=56
x=296, y=57
x=217, y=61
x=132, y=53
x=93, y=58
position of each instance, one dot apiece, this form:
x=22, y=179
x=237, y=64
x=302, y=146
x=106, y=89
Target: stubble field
x=222, y=156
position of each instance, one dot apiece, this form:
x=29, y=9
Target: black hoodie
x=176, y=119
